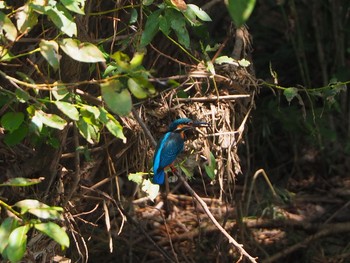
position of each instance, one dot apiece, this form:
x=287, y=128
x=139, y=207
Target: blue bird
x=170, y=146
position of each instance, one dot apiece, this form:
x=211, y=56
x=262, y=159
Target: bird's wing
x=169, y=147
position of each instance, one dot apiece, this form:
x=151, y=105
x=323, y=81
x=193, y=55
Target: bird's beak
x=200, y=124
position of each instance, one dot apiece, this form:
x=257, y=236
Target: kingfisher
x=171, y=145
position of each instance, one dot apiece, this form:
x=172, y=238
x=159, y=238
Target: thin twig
x=207, y=99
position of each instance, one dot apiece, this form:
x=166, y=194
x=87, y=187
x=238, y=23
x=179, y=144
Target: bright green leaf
x=49, y=50
x=68, y=109
x=93, y=110
x=244, y=63
x=76, y=6
x=17, y=243
x=116, y=97
x=136, y=177
x=200, y=13
x=7, y=27
x=150, y=189
x=210, y=168
x=12, y=120
x=290, y=93
x=62, y=19
x=26, y=19
x=89, y=131
x=136, y=89
x=240, y=10
x=59, y=91
x=5, y=54
x=151, y=28
x=136, y=60
x=225, y=59
x=5, y=230
x=54, y=231
x=83, y=52
x=39, y=209
x=51, y=120
x=21, y=181
x=112, y=124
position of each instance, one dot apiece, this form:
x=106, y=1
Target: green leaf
x=26, y=19
x=17, y=243
x=136, y=60
x=22, y=95
x=12, y=120
x=178, y=24
x=21, y=181
x=16, y=136
x=39, y=209
x=49, y=50
x=164, y=25
x=54, y=231
x=200, y=13
x=116, y=97
x=244, y=63
x=136, y=177
x=5, y=54
x=68, y=109
x=136, y=89
x=59, y=91
x=7, y=27
x=290, y=93
x=210, y=168
x=76, y=6
x=51, y=120
x=83, y=52
x=62, y=19
x=150, y=189
x=225, y=59
x=5, y=230
x=240, y=10
x=151, y=28
x=112, y=124
x=89, y=131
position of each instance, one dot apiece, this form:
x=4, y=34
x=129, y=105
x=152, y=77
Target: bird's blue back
x=167, y=150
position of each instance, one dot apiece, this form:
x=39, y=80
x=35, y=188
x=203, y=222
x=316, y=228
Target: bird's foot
x=173, y=169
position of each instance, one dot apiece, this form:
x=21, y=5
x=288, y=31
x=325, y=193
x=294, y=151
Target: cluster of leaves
x=14, y=229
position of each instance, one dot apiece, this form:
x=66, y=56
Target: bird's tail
x=158, y=177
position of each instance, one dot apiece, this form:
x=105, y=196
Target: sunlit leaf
x=62, y=19
x=7, y=27
x=17, y=243
x=49, y=50
x=76, y=6
x=54, y=231
x=150, y=189
x=21, y=181
x=12, y=120
x=112, y=124
x=5, y=54
x=200, y=13
x=240, y=10
x=244, y=63
x=5, y=230
x=39, y=209
x=83, y=52
x=59, y=91
x=68, y=109
x=51, y=120
x=136, y=177
x=116, y=97
x=26, y=19
x=225, y=59
x=89, y=131
x=136, y=89
x=136, y=60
